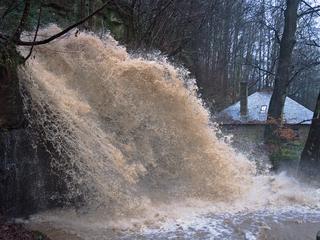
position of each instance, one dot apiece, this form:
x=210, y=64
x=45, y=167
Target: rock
x=11, y=114
x=19, y=232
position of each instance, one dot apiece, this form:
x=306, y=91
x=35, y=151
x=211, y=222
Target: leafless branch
x=3, y=37
x=259, y=68
x=23, y=20
x=276, y=32
x=312, y=43
x=303, y=68
x=311, y=9
x=308, y=120
x=36, y=33
x=63, y=32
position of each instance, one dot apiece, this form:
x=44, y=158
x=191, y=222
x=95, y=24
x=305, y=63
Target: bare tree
x=284, y=69
x=310, y=157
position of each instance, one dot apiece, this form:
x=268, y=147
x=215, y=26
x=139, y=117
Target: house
x=246, y=119
x=254, y=110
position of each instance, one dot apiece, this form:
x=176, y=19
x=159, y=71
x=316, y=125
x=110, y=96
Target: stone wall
x=26, y=181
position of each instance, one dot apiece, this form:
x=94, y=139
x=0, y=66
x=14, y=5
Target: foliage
x=9, y=58
x=286, y=153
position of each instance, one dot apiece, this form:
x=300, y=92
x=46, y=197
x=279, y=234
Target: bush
x=286, y=154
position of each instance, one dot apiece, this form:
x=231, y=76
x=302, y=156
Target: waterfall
x=127, y=130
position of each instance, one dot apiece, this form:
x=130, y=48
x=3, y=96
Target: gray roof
x=258, y=103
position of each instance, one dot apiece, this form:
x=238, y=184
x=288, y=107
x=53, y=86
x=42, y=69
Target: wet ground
x=278, y=224
x=11, y=231
x=273, y=208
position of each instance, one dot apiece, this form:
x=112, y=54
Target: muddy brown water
x=294, y=223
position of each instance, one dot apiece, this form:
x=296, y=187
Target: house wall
x=255, y=132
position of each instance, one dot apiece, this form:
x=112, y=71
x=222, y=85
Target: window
x=263, y=109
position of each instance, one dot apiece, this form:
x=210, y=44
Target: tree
x=11, y=115
x=284, y=68
x=310, y=157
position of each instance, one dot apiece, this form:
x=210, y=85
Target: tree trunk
x=81, y=12
x=282, y=77
x=92, y=21
x=310, y=157
x=11, y=114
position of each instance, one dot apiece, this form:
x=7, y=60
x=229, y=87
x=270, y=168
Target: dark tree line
x=226, y=42
x=221, y=42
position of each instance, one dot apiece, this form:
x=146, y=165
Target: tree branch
x=313, y=43
x=311, y=10
x=308, y=120
x=276, y=32
x=303, y=68
x=36, y=33
x=23, y=20
x=4, y=37
x=63, y=32
x=259, y=68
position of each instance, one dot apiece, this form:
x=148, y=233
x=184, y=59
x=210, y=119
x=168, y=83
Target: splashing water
x=132, y=135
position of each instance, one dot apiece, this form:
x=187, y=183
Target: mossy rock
x=39, y=236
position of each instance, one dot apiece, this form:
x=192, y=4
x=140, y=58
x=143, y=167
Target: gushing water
x=131, y=134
